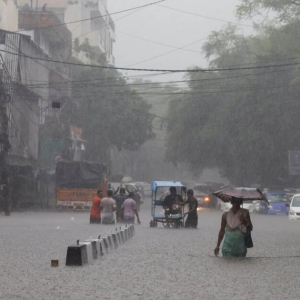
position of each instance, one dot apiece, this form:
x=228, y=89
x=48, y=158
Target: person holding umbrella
x=235, y=223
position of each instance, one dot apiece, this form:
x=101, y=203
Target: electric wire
x=194, y=70
x=157, y=43
x=155, y=85
x=202, y=16
x=166, y=53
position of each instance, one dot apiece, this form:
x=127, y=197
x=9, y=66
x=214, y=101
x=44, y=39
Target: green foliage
x=88, y=52
x=110, y=113
x=285, y=10
x=242, y=121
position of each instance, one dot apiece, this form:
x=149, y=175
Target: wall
x=24, y=104
x=8, y=15
x=24, y=137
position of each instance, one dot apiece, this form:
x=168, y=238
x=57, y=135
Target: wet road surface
x=157, y=263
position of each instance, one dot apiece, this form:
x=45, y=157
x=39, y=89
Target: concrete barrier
x=97, y=251
x=128, y=233
x=85, y=252
x=115, y=240
x=77, y=255
x=122, y=235
x=89, y=250
x=119, y=238
x=104, y=243
x=109, y=239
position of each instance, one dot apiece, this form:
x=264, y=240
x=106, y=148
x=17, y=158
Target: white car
x=249, y=205
x=294, y=212
x=225, y=206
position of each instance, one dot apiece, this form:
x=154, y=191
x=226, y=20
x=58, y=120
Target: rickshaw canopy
x=157, y=184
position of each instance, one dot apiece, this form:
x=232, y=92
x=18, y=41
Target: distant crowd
x=119, y=206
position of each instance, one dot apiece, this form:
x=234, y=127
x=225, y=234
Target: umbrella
x=243, y=193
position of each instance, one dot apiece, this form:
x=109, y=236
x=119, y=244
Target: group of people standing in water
x=235, y=223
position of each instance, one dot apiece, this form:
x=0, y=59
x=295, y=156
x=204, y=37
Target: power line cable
x=153, y=86
x=202, y=16
x=198, y=70
x=157, y=43
x=187, y=92
x=166, y=53
x=96, y=81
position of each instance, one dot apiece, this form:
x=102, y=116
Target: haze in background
x=170, y=27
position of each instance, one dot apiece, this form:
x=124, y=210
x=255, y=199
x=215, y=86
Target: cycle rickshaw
x=160, y=189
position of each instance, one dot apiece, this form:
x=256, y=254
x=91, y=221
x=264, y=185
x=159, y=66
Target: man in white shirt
x=108, y=207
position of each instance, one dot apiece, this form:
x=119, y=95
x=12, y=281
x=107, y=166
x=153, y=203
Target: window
x=296, y=201
x=276, y=198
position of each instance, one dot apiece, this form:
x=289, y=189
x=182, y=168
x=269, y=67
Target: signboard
x=76, y=132
x=294, y=162
x=85, y=195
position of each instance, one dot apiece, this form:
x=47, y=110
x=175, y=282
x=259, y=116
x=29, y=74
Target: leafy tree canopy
x=108, y=110
x=242, y=121
x=285, y=10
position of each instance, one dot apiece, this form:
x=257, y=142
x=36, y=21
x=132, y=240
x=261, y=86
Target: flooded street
x=157, y=263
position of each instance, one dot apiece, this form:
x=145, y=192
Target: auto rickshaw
x=160, y=190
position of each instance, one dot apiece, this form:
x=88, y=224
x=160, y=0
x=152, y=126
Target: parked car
x=294, y=208
x=256, y=205
x=225, y=206
x=277, y=203
x=144, y=188
x=130, y=187
x=202, y=193
x=250, y=205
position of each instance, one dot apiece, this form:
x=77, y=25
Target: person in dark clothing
x=170, y=201
x=192, y=219
x=120, y=198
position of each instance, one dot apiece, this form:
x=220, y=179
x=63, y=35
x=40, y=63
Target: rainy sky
x=164, y=25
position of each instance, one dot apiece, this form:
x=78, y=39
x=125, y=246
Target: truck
x=77, y=184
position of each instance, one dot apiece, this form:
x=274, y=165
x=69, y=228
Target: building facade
x=86, y=19
x=8, y=15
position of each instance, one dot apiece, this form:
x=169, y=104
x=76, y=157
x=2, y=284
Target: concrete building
x=55, y=41
x=97, y=26
x=8, y=15
x=18, y=74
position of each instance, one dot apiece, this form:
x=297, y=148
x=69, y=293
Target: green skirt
x=234, y=243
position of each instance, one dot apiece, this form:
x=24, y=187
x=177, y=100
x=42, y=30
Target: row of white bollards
x=86, y=252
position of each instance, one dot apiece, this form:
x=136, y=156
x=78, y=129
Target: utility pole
x=4, y=148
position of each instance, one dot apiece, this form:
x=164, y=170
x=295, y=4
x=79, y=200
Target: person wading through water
x=234, y=224
x=95, y=216
x=192, y=219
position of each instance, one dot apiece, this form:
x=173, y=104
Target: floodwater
x=157, y=263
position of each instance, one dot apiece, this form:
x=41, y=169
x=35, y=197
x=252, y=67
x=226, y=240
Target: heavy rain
x=149, y=149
